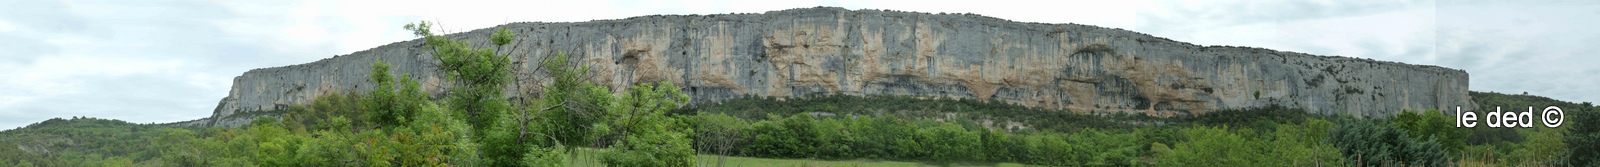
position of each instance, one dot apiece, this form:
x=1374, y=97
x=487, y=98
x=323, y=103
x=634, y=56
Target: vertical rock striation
x=795, y=52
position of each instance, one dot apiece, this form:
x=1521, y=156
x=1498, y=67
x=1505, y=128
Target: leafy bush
x=1583, y=138
x=646, y=136
x=791, y=137
x=1374, y=144
x=1434, y=124
x=1288, y=145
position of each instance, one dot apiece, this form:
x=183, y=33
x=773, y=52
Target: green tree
x=324, y=108
x=771, y=140
x=792, y=137
x=387, y=108
x=720, y=134
x=646, y=136
x=276, y=146
x=571, y=105
x=1211, y=147
x=1583, y=138
x=1300, y=145
x=1543, y=145
x=958, y=143
x=331, y=148
x=1374, y=144
x=1107, y=147
x=502, y=37
x=995, y=147
x=410, y=130
x=1432, y=123
x=295, y=121
x=178, y=147
x=435, y=139
x=834, y=139
x=565, y=118
x=477, y=74
x=1054, y=150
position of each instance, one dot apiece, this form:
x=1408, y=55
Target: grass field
x=586, y=157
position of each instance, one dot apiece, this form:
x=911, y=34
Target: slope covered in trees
x=322, y=134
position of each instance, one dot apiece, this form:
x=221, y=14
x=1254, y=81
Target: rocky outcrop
x=795, y=52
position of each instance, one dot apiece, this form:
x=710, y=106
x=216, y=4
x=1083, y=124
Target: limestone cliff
x=1078, y=68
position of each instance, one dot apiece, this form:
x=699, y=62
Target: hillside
x=1487, y=101
x=103, y=142
x=796, y=52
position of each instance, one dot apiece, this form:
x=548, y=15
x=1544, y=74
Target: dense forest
x=837, y=127
x=577, y=123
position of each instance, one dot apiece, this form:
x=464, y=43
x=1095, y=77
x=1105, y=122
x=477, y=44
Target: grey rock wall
x=1077, y=68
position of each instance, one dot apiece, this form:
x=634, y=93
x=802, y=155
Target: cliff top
x=822, y=11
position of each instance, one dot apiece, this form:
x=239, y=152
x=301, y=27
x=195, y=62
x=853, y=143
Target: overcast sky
x=166, y=61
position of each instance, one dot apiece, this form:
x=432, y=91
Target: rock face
x=796, y=52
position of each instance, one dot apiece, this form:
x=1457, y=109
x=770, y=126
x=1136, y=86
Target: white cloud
x=1386, y=36
x=1316, y=27
x=8, y=27
x=1540, y=48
